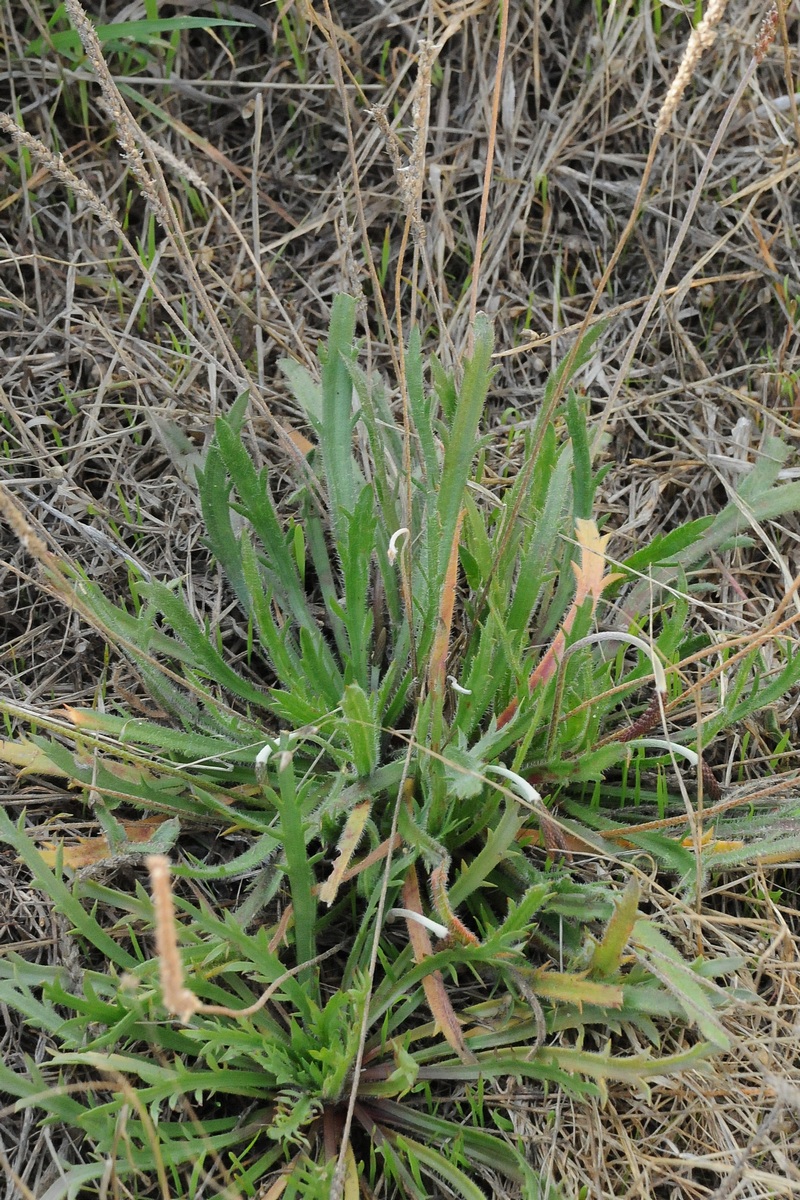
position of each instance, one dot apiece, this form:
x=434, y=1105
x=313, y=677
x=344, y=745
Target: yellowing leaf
x=441, y=642
x=87, y=852
x=32, y=760
x=709, y=842
x=574, y=989
x=278, y=1187
x=351, y=836
x=590, y=583
x=350, y=1191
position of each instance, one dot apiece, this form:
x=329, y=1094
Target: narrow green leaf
x=689, y=989
x=64, y=901
x=254, y=857
x=540, y=560
x=258, y=507
x=298, y=866
x=608, y=952
x=361, y=729
x=462, y=441
x=145, y=32
x=205, y=658
x=214, y=487
x=421, y=410
x=582, y=478
x=306, y=391
x=277, y=643
x=666, y=546
x=336, y=434
x=494, y=851
x=459, y=1184
x=356, y=554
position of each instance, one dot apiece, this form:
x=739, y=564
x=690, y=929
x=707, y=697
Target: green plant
x=345, y=715
x=265, y=1090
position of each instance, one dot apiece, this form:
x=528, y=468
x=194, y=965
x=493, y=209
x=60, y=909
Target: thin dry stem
x=497, y=92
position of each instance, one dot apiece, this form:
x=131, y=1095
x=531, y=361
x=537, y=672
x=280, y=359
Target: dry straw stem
x=154, y=186
x=150, y=178
x=410, y=179
x=177, y=998
x=328, y=28
x=765, y=37
x=58, y=167
x=61, y=582
x=497, y=92
x=702, y=36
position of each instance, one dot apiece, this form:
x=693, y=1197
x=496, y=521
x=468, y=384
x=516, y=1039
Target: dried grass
x=103, y=408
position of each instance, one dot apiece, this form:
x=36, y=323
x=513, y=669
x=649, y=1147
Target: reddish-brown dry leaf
x=571, y=841
x=441, y=901
x=441, y=642
x=590, y=583
x=433, y=984
x=300, y=442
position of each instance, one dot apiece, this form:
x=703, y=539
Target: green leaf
x=214, y=487
x=539, y=560
x=356, y=554
x=336, y=432
x=205, y=658
x=461, y=443
x=361, y=729
x=608, y=952
x=306, y=391
x=258, y=507
x=298, y=866
x=144, y=32
x=666, y=546
x=189, y=746
x=582, y=480
x=64, y=901
x=422, y=410
x=689, y=989
x=758, y=499
x=439, y=1167
x=276, y=642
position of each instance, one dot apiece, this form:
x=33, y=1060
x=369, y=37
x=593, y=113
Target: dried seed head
x=701, y=38
x=766, y=34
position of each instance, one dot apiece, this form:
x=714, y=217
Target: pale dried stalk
x=701, y=39
x=151, y=180
x=127, y=131
x=487, y=174
x=765, y=36
x=177, y=998
x=57, y=165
